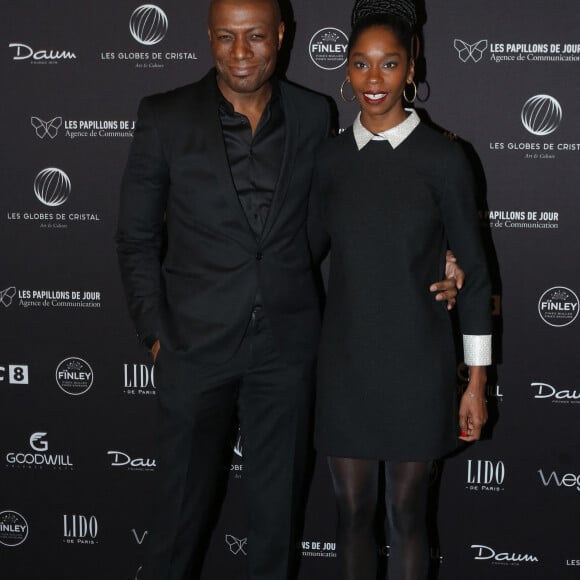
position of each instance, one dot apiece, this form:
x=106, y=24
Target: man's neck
x=252, y=105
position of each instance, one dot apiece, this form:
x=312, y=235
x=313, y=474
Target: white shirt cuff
x=477, y=350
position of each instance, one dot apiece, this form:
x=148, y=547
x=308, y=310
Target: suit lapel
x=291, y=120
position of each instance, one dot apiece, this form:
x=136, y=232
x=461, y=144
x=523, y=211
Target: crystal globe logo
x=558, y=306
x=148, y=24
x=328, y=48
x=13, y=529
x=541, y=115
x=52, y=186
x=74, y=376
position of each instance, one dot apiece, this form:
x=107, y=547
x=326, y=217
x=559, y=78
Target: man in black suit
x=216, y=264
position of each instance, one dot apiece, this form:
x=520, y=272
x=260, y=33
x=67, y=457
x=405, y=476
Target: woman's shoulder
x=440, y=145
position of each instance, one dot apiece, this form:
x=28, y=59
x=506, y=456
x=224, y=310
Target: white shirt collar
x=395, y=136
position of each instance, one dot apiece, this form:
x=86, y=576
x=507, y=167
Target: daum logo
x=236, y=545
x=148, y=24
x=328, y=48
x=558, y=306
x=541, y=115
x=52, y=187
x=470, y=52
x=562, y=396
x=13, y=529
x=25, y=52
x=487, y=553
x=44, y=128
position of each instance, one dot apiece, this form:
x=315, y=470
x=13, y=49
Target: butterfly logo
x=236, y=545
x=7, y=295
x=470, y=51
x=44, y=128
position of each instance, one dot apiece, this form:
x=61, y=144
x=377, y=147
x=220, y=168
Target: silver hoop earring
x=410, y=101
x=342, y=92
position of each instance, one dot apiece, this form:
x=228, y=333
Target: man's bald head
x=272, y=5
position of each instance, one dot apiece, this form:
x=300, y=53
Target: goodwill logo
x=558, y=306
x=13, y=528
x=547, y=392
x=40, y=457
x=74, y=376
x=541, y=115
x=25, y=53
x=82, y=128
x=328, y=48
x=474, y=51
x=148, y=25
x=491, y=555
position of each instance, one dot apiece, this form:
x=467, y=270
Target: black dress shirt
x=255, y=160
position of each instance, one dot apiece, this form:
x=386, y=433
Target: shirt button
x=259, y=256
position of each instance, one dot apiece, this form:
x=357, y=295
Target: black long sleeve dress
x=386, y=370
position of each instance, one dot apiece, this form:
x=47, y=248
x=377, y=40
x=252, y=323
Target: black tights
x=355, y=484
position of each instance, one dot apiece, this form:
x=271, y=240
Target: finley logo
x=44, y=128
x=236, y=545
x=7, y=295
x=541, y=115
x=470, y=52
x=328, y=48
x=74, y=376
x=52, y=186
x=148, y=24
x=558, y=306
x=13, y=529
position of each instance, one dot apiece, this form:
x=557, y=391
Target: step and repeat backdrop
x=77, y=393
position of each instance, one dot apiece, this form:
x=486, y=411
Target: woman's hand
x=155, y=350
x=447, y=289
x=473, y=408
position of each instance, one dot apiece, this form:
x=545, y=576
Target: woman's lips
x=375, y=98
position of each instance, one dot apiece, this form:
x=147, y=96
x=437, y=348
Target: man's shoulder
x=303, y=96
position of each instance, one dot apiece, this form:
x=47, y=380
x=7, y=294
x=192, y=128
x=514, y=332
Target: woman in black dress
x=390, y=186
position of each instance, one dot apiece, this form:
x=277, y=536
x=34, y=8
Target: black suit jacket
x=197, y=291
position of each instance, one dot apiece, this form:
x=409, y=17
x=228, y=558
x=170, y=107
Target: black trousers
x=196, y=404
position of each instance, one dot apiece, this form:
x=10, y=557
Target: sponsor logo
x=572, y=562
x=36, y=298
x=237, y=467
x=138, y=572
x=317, y=549
x=83, y=128
x=13, y=528
x=7, y=295
x=328, y=48
x=570, y=480
x=470, y=52
x=80, y=529
x=41, y=458
x=541, y=115
x=485, y=475
x=237, y=546
x=38, y=443
x=74, y=376
x=486, y=553
x=558, y=306
x=24, y=52
x=515, y=52
x=122, y=459
x=52, y=186
x=139, y=380
x=521, y=219
x=554, y=395
x=139, y=537
x=148, y=24
x=44, y=128
x=14, y=374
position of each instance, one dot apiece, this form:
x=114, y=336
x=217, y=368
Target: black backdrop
x=77, y=393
